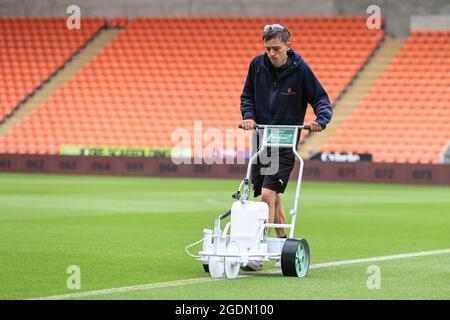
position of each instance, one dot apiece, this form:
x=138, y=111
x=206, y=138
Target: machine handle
x=262, y=126
x=223, y=216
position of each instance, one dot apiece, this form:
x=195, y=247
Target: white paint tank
x=247, y=217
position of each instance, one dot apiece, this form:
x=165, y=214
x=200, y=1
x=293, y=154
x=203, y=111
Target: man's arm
x=318, y=99
x=248, y=101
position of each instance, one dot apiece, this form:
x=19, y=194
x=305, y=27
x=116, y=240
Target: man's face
x=276, y=50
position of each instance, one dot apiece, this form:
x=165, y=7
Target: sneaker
x=252, y=265
x=277, y=264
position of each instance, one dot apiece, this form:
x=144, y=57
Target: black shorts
x=275, y=181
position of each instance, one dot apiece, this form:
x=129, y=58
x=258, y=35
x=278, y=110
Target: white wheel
x=232, y=264
x=216, y=268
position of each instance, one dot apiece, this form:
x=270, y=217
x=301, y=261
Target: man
x=277, y=90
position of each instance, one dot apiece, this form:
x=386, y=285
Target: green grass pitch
x=123, y=231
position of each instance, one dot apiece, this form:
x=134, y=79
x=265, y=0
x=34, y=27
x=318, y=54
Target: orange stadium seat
x=32, y=49
x=118, y=22
x=411, y=103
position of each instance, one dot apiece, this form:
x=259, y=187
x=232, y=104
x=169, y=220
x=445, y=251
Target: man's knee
x=278, y=198
x=268, y=196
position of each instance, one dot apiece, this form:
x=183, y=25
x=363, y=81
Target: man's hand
x=315, y=127
x=248, y=124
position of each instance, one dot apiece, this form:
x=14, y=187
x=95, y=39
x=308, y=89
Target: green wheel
x=295, y=258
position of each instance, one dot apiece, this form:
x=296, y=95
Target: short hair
x=275, y=33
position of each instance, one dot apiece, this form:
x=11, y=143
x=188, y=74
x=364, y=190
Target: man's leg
x=280, y=217
x=269, y=196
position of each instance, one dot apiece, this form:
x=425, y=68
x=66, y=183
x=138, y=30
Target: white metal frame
x=293, y=211
x=221, y=238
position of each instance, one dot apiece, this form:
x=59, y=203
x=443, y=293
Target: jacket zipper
x=273, y=87
x=271, y=93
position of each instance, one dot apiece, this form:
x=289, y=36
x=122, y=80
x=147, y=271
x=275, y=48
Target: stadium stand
x=32, y=49
x=405, y=117
x=160, y=74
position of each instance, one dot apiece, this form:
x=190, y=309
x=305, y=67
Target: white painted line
x=383, y=258
x=132, y=288
x=203, y=280
x=373, y=259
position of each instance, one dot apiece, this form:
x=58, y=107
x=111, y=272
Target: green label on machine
x=280, y=135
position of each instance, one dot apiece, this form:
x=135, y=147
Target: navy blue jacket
x=283, y=101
